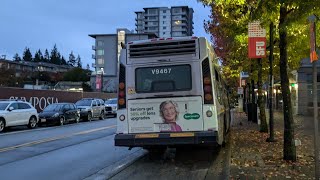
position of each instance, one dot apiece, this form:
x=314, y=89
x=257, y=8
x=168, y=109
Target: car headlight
x=114, y=108
x=56, y=115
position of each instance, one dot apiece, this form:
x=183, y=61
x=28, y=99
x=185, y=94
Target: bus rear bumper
x=167, y=139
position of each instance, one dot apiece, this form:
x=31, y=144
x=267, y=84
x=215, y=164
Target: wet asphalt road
x=86, y=151
x=182, y=163
x=73, y=151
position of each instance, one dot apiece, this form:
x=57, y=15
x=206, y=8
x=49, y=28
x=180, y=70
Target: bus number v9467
x=161, y=71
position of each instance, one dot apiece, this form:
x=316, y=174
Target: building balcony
x=151, y=25
x=150, y=14
x=179, y=18
x=176, y=29
x=139, y=24
x=148, y=30
x=148, y=19
x=93, y=56
x=94, y=48
x=139, y=18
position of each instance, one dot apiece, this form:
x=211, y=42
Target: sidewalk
x=254, y=158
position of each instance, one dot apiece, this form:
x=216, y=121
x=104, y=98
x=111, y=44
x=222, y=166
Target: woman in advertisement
x=169, y=113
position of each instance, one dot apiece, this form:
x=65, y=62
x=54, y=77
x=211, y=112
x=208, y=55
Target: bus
x=171, y=94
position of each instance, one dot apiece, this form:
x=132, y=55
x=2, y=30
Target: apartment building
x=176, y=21
x=106, y=56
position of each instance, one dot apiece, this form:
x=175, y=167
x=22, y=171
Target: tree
x=72, y=60
x=27, y=56
x=63, y=61
x=46, y=57
x=55, y=57
x=79, y=63
x=38, y=57
x=16, y=57
x=77, y=74
x=228, y=27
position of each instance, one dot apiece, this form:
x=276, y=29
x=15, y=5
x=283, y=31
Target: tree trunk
x=263, y=121
x=289, y=149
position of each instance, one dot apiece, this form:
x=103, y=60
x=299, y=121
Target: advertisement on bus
x=165, y=115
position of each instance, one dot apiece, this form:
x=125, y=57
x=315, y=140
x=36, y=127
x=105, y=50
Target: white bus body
x=170, y=94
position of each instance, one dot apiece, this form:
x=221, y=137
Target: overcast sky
x=39, y=24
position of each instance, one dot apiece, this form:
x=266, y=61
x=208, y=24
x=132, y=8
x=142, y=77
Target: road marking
x=54, y=138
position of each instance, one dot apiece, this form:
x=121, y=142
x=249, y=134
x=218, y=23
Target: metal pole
x=313, y=59
x=271, y=135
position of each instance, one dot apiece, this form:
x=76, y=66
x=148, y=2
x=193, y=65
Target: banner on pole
x=98, y=81
x=313, y=53
x=257, y=40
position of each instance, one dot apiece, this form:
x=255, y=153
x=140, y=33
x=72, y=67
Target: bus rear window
x=163, y=79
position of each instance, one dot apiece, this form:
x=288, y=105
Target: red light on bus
x=121, y=85
x=169, y=38
x=207, y=89
x=194, y=37
x=161, y=39
x=121, y=94
x=206, y=80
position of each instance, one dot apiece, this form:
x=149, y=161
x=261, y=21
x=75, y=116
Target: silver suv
x=17, y=113
x=111, y=106
x=91, y=108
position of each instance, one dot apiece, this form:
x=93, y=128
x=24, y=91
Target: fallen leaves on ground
x=252, y=156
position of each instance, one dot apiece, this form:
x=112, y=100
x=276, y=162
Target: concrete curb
x=118, y=166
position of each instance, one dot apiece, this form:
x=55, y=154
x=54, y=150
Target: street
x=74, y=151
x=86, y=151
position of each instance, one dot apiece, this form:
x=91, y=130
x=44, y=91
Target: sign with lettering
x=257, y=41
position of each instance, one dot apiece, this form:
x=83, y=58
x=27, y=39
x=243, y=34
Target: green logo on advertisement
x=189, y=116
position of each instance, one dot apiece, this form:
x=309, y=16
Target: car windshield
x=84, y=103
x=111, y=101
x=3, y=106
x=54, y=107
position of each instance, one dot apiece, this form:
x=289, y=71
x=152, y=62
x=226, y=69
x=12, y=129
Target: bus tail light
x=207, y=82
x=122, y=88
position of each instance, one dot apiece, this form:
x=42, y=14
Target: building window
x=164, y=11
x=100, y=43
x=164, y=27
x=152, y=11
x=152, y=17
x=164, y=17
x=164, y=33
x=100, y=52
x=163, y=22
x=100, y=61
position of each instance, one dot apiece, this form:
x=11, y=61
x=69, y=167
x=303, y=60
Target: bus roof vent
x=165, y=48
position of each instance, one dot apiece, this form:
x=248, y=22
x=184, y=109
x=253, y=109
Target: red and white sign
x=313, y=53
x=257, y=41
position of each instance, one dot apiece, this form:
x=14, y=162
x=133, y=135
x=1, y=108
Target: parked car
x=59, y=114
x=16, y=113
x=91, y=108
x=111, y=106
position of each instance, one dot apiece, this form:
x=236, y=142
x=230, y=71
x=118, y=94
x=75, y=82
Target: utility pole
x=314, y=59
x=271, y=130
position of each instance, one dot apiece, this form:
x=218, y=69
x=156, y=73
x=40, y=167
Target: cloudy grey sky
x=39, y=24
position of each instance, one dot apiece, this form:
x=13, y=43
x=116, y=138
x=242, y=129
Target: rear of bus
x=166, y=95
